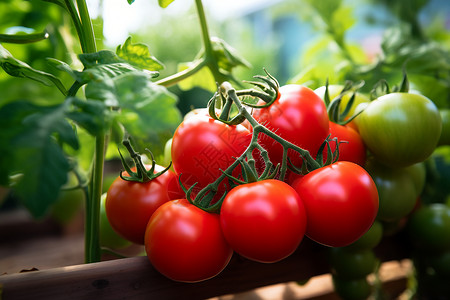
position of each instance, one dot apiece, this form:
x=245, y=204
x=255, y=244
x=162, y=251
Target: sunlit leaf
x=164, y=3
x=203, y=79
x=138, y=55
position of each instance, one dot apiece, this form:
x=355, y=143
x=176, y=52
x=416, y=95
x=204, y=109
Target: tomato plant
x=400, y=129
x=341, y=202
x=186, y=243
x=264, y=220
x=299, y=116
x=129, y=205
x=201, y=147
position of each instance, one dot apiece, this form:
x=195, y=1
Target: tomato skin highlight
x=299, y=116
x=400, y=129
x=186, y=243
x=263, y=221
x=129, y=205
x=201, y=146
x=341, y=202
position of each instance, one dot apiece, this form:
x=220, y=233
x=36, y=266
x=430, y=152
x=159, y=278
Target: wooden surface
x=59, y=277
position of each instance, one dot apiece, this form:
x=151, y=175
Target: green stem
x=175, y=78
x=88, y=30
x=77, y=23
x=210, y=59
x=85, y=32
x=23, y=38
x=92, y=222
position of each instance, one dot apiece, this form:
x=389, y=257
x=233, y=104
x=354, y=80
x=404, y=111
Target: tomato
x=352, y=147
x=352, y=264
x=398, y=188
x=341, y=202
x=108, y=236
x=370, y=239
x=186, y=243
x=429, y=227
x=445, y=133
x=352, y=289
x=441, y=263
x=202, y=147
x=299, y=116
x=263, y=221
x=129, y=205
x=400, y=129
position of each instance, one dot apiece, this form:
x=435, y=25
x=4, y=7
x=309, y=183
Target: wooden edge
x=135, y=278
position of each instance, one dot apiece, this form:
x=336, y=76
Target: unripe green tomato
x=429, y=228
x=445, y=133
x=352, y=264
x=397, y=189
x=370, y=239
x=400, y=129
x=441, y=263
x=355, y=289
x=108, y=237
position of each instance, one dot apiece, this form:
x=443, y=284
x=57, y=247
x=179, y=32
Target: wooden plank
x=135, y=278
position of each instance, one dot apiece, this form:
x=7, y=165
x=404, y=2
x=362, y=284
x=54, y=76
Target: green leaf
x=138, y=55
x=164, y=3
x=31, y=143
x=203, y=79
x=92, y=115
x=17, y=68
x=147, y=111
x=226, y=56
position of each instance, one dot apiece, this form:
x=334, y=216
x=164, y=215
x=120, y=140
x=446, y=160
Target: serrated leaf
x=130, y=1
x=138, y=55
x=147, y=110
x=106, y=63
x=164, y=3
x=17, y=68
x=32, y=142
x=92, y=115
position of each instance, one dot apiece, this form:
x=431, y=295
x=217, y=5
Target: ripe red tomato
x=186, y=243
x=264, y=221
x=129, y=205
x=202, y=146
x=299, y=116
x=352, y=149
x=341, y=202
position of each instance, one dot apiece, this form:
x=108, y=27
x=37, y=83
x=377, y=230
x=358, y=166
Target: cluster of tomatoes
x=190, y=239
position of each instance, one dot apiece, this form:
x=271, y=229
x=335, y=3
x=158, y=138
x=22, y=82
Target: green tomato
x=398, y=189
x=441, y=263
x=355, y=289
x=400, y=129
x=108, y=237
x=445, y=133
x=334, y=90
x=370, y=239
x=429, y=228
x=352, y=264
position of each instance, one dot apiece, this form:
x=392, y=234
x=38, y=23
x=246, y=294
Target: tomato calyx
x=333, y=105
x=141, y=174
x=382, y=87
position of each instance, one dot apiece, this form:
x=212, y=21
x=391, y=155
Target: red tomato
x=341, y=202
x=202, y=146
x=129, y=205
x=186, y=243
x=299, y=116
x=352, y=147
x=264, y=221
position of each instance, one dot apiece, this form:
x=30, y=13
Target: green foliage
x=164, y=3
x=138, y=55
